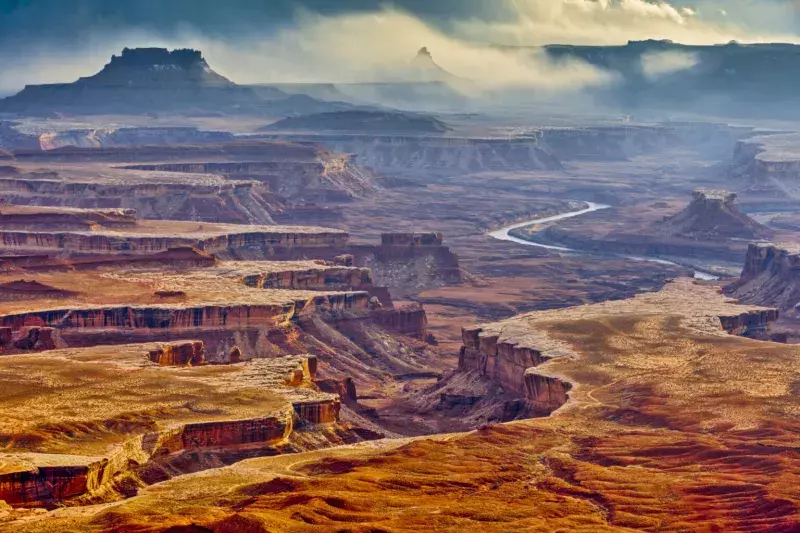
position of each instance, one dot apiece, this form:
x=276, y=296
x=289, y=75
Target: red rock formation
x=502, y=362
x=187, y=353
x=29, y=338
x=323, y=278
x=345, y=388
x=318, y=411
x=409, y=320
x=771, y=276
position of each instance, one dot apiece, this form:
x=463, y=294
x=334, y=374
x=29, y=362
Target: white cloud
x=657, y=64
x=609, y=22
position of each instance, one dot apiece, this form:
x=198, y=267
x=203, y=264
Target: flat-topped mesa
x=321, y=278
x=58, y=452
x=149, y=237
x=712, y=214
x=157, y=67
x=33, y=217
x=209, y=199
x=111, y=137
x=771, y=276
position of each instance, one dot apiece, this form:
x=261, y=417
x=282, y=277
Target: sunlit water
x=503, y=235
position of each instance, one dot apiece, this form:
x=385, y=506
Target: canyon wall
x=327, y=177
x=244, y=202
x=771, y=276
x=513, y=367
x=443, y=154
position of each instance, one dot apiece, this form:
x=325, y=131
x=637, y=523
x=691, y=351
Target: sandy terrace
x=83, y=401
x=220, y=284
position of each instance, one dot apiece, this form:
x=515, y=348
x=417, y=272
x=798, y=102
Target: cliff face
x=233, y=202
x=327, y=177
x=443, y=154
x=771, y=276
x=281, y=415
x=262, y=243
x=99, y=138
x=512, y=367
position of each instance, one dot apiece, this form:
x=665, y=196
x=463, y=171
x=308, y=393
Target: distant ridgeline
x=154, y=80
x=734, y=79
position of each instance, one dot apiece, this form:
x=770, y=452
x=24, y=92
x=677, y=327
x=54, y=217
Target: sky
x=357, y=40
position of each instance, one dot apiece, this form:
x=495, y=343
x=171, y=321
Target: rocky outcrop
x=409, y=320
x=444, y=155
x=112, y=137
x=228, y=240
x=173, y=317
x=197, y=439
x=771, y=276
x=711, y=215
x=513, y=367
x=326, y=177
x=27, y=218
x=322, y=278
x=208, y=200
x=187, y=353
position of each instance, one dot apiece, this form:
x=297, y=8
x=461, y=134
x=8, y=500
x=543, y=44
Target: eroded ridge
x=504, y=369
x=673, y=424
x=96, y=423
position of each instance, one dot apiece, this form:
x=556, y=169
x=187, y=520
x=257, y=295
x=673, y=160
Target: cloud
x=370, y=44
x=657, y=64
x=610, y=22
x=363, y=47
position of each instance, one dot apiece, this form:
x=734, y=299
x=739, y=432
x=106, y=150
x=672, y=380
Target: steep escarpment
x=211, y=199
x=330, y=177
x=662, y=397
x=114, y=447
x=157, y=80
x=443, y=154
x=111, y=137
x=506, y=369
x=771, y=276
x=767, y=169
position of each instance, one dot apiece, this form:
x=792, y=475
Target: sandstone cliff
x=771, y=276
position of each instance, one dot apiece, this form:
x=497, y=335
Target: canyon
x=245, y=308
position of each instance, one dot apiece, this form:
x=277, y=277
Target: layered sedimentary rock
x=712, y=214
x=672, y=424
x=110, y=137
x=210, y=199
x=768, y=169
x=150, y=237
x=327, y=177
x=62, y=451
x=443, y=154
x=516, y=354
x=25, y=217
x=771, y=276
x=156, y=80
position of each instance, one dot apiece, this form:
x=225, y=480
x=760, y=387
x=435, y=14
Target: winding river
x=503, y=235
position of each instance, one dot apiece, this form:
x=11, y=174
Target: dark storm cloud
x=67, y=20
